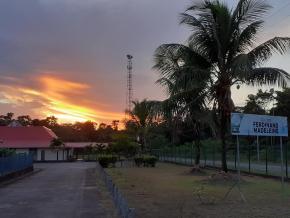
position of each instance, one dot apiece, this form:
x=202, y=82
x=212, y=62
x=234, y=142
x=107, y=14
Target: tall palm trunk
x=223, y=132
x=226, y=106
x=197, y=156
x=143, y=139
x=197, y=144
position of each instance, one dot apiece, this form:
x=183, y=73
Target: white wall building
x=34, y=140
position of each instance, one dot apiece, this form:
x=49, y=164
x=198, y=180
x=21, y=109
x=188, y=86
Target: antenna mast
x=129, y=95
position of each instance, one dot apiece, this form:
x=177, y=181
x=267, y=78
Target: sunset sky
x=68, y=57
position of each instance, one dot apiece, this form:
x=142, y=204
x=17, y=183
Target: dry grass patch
x=171, y=191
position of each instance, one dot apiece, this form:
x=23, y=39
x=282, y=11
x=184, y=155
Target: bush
x=6, y=152
x=146, y=160
x=157, y=141
x=107, y=160
x=149, y=160
x=138, y=161
x=123, y=145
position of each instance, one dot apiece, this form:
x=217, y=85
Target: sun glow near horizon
x=65, y=99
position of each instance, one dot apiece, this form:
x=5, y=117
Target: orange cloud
x=59, y=97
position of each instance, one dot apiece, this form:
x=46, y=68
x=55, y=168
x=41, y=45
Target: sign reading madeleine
x=258, y=125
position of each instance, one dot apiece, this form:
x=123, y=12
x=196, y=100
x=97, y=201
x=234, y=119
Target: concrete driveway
x=59, y=190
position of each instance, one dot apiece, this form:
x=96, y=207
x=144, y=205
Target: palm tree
x=224, y=39
x=188, y=100
x=141, y=117
x=57, y=143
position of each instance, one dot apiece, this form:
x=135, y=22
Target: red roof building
x=34, y=140
x=26, y=137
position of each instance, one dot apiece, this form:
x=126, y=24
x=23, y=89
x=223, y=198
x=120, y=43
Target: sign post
x=282, y=165
x=258, y=149
x=259, y=125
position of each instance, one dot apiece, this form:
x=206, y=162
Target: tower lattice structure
x=129, y=94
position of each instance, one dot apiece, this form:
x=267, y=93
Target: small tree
x=124, y=145
x=57, y=143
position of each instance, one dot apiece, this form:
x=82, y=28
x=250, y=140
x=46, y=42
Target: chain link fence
x=121, y=203
x=264, y=159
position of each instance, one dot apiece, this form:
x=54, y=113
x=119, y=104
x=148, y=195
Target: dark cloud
x=87, y=40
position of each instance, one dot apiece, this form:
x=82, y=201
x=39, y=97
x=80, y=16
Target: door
x=42, y=155
x=33, y=153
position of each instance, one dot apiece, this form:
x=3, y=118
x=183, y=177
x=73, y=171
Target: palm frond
x=264, y=51
x=268, y=76
x=167, y=83
x=249, y=11
x=248, y=36
x=168, y=57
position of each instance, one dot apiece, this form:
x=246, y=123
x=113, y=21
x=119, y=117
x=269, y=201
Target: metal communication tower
x=129, y=95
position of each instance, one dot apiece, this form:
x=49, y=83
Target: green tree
x=225, y=39
x=24, y=120
x=57, y=143
x=282, y=103
x=51, y=121
x=253, y=106
x=6, y=119
x=259, y=103
x=124, y=145
x=115, y=124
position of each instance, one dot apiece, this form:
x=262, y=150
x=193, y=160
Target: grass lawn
x=171, y=191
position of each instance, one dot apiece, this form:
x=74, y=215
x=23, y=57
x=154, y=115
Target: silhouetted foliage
x=69, y=132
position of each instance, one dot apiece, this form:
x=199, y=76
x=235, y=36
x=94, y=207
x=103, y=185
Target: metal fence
x=264, y=160
x=124, y=210
x=15, y=163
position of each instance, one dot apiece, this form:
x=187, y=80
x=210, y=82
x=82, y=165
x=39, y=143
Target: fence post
x=175, y=154
x=213, y=155
x=266, y=159
x=286, y=159
x=191, y=154
x=235, y=151
x=170, y=157
x=185, y=158
x=178, y=151
x=204, y=153
x=131, y=213
x=249, y=148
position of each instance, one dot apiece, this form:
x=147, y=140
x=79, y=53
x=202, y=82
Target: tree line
x=68, y=132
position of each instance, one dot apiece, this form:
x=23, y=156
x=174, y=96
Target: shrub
x=123, y=145
x=146, y=160
x=138, y=161
x=6, y=152
x=149, y=160
x=106, y=160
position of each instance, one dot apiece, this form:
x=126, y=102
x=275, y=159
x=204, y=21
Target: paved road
x=60, y=190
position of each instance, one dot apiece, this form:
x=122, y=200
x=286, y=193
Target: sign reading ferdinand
x=258, y=125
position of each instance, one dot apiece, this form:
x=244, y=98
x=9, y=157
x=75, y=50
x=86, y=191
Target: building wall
x=49, y=154
x=22, y=150
x=52, y=155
